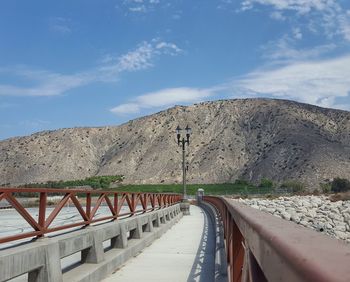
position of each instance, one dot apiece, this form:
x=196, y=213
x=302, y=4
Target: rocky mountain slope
x=250, y=138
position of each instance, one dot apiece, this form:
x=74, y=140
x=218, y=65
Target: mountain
x=249, y=138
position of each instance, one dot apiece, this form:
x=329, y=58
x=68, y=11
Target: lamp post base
x=185, y=207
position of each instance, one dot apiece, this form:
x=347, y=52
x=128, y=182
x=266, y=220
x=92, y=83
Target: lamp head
x=188, y=130
x=188, y=133
x=178, y=130
x=178, y=134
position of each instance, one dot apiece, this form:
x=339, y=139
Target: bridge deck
x=184, y=253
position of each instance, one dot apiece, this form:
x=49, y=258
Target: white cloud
x=177, y=15
x=138, y=59
x=283, y=50
x=141, y=57
x=126, y=109
x=36, y=123
x=47, y=83
x=297, y=33
x=344, y=21
x=140, y=6
x=168, y=48
x=164, y=98
x=61, y=25
x=300, y=6
x=277, y=15
x=321, y=16
x=139, y=9
x=172, y=96
x=315, y=82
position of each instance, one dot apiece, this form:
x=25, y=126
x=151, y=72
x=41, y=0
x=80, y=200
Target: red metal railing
x=262, y=247
x=114, y=200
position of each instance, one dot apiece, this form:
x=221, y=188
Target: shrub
x=340, y=185
x=266, y=183
x=244, y=193
x=326, y=187
x=95, y=182
x=241, y=182
x=293, y=186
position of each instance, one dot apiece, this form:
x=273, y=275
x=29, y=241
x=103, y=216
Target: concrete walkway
x=184, y=253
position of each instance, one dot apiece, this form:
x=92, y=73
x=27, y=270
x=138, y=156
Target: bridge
x=120, y=236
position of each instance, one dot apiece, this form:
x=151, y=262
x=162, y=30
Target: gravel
x=315, y=212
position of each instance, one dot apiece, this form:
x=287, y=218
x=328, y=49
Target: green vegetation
x=239, y=187
x=293, y=186
x=96, y=182
x=340, y=185
x=209, y=189
x=326, y=187
x=266, y=183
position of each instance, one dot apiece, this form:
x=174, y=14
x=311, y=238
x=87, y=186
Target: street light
x=182, y=140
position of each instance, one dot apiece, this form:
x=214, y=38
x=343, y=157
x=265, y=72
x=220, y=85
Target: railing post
x=88, y=206
x=42, y=212
x=120, y=241
x=51, y=270
x=94, y=254
x=137, y=232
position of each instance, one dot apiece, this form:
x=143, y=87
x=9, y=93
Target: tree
x=340, y=185
x=266, y=183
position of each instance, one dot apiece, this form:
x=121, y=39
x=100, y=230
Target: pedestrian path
x=184, y=253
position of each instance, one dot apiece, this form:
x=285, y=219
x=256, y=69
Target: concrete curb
x=41, y=259
x=220, y=253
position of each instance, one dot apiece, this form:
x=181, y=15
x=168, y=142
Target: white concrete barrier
x=41, y=259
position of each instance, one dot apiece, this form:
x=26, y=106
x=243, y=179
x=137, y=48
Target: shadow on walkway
x=203, y=268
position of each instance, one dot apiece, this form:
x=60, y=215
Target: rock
x=335, y=217
x=295, y=218
x=269, y=210
x=341, y=235
x=346, y=217
x=280, y=210
x=289, y=210
x=302, y=210
x=335, y=210
x=320, y=227
x=313, y=212
x=285, y=215
x=304, y=223
x=341, y=228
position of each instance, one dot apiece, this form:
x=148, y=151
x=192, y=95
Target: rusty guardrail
x=41, y=225
x=262, y=247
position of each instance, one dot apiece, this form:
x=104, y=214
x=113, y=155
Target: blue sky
x=93, y=63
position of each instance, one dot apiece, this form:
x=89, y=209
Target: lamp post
x=182, y=140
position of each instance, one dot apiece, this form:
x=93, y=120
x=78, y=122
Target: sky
x=95, y=63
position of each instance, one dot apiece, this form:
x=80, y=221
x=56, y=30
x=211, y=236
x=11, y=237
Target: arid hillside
x=250, y=138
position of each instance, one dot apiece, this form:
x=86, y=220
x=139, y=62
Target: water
x=12, y=223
